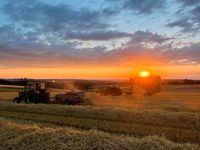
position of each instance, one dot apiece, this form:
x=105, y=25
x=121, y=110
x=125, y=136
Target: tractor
x=34, y=92
x=112, y=90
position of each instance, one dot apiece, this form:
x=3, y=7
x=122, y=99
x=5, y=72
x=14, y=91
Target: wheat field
x=17, y=134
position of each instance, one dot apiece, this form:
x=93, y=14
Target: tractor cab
x=112, y=90
x=34, y=92
x=35, y=86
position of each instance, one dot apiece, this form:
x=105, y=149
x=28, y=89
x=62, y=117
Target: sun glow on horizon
x=144, y=74
x=101, y=72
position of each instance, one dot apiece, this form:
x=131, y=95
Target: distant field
x=10, y=88
x=8, y=92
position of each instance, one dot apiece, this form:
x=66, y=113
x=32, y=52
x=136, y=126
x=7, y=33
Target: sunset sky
x=99, y=39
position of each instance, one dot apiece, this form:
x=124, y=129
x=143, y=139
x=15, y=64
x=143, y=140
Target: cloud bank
x=35, y=33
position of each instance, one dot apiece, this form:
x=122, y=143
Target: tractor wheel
x=31, y=97
x=28, y=100
x=16, y=100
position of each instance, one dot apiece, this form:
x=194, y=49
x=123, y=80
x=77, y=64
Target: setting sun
x=144, y=73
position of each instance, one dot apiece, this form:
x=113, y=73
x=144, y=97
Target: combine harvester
x=36, y=92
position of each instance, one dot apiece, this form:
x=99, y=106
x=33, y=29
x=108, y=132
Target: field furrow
x=21, y=134
x=181, y=120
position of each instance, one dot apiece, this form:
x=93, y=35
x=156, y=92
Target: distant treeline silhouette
x=20, y=82
x=71, y=85
x=86, y=84
x=75, y=84
x=181, y=82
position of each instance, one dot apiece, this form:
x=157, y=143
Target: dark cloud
x=188, y=2
x=144, y=6
x=188, y=24
x=8, y=33
x=35, y=23
x=39, y=34
x=182, y=23
x=57, y=56
x=110, y=11
x=159, y=55
x=133, y=51
x=137, y=49
x=191, y=52
x=188, y=19
x=139, y=6
x=62, y=55
x=36, y=14
x=97, y=35
x=142, y=36
x=163, y=53
x=196, y=14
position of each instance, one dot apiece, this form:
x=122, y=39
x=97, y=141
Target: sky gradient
x=104, y=39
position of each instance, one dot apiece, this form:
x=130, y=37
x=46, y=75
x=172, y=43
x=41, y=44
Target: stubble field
x=168, y=120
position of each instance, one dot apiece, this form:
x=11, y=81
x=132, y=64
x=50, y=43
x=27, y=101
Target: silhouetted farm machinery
x=36, y=92
x=112, y=90
x=150, y=85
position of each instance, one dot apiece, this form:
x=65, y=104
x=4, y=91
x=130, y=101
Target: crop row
x=179, y=120
x=138, y=130
x=15, y=134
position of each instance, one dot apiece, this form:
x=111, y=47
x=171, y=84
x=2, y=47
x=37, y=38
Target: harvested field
x=22, y=135
x=168, y=120
x=179, y=127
